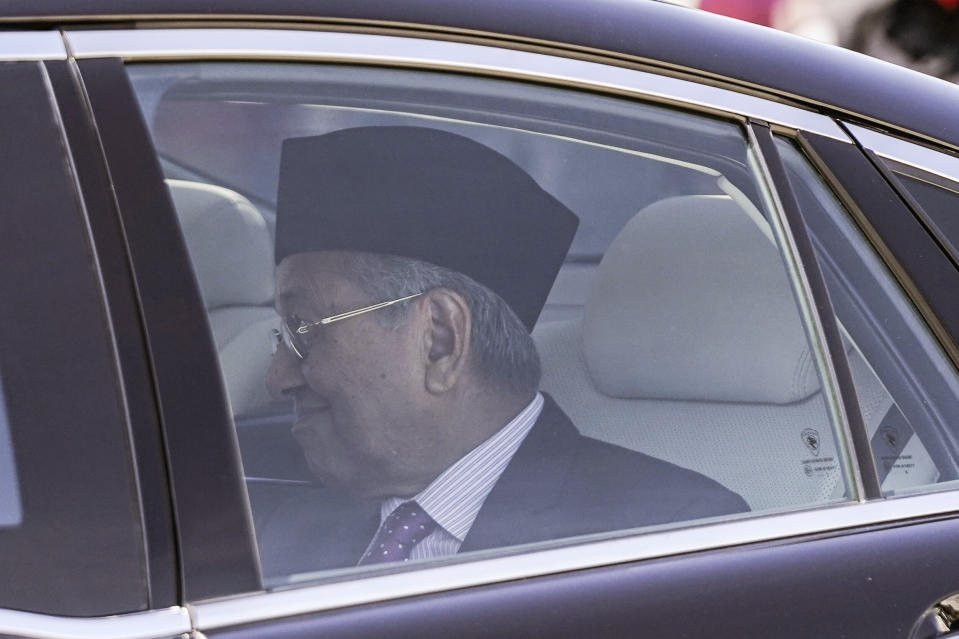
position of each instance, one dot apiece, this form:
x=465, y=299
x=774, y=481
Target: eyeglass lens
x=294, y=340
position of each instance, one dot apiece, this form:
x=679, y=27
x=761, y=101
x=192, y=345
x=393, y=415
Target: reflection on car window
x=10, y=510
x=487, y=315
x=908, y=393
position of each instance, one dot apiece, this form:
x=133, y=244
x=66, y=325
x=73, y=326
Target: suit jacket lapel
x=531, y=486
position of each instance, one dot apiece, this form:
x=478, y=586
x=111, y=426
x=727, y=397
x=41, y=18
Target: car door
x=86, y=531
x=858, y=549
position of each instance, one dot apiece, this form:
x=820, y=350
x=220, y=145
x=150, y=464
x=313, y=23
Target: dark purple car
x=739, y=415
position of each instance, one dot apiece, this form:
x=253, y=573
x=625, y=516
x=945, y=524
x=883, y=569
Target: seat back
x=691, y=349
x=232, y=253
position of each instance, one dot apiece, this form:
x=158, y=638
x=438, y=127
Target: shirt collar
x=454, y=498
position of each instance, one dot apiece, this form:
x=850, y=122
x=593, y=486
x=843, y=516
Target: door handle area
x=939, y=622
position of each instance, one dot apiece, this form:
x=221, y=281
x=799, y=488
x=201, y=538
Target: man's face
x=362, y=414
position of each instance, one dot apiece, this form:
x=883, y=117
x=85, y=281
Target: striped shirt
x=454, y=498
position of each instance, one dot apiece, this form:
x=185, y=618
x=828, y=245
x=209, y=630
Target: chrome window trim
x=245, y=609
x=911, y=153
x=153, y=624
x=31, y=45
x=180, y=44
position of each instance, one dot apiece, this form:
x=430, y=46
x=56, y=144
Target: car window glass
x=667, y=328
x=907, y=389
x=11, y=512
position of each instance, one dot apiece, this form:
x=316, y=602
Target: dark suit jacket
x=558, y=484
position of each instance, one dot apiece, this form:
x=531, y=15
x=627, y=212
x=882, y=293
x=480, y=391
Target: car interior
x=727, y=386
x=672, y=329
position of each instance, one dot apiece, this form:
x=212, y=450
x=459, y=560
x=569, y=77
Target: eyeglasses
x=295, y=330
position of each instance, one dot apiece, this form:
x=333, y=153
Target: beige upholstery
x=691, y=301
x=691, y=350
x=232, y=254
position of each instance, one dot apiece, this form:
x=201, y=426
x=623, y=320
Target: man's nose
x=284, y=374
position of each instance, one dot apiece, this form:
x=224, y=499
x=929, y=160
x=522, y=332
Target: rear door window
x=667, y=328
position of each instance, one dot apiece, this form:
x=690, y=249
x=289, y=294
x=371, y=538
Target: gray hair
x=506, y=354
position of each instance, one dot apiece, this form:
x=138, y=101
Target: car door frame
x=214, y=531
x=84, y=318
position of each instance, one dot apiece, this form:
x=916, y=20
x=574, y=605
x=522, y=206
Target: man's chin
x=311, y=432
x=307, y=422
x=320, y=469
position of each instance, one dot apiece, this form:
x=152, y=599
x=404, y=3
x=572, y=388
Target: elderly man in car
x=412, y=264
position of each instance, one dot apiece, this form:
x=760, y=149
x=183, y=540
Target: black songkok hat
x=425, y=194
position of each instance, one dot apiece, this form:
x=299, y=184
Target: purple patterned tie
x=406, y=526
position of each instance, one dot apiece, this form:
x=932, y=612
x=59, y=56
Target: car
x=762, y=291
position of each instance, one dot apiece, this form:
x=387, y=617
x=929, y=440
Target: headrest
x=692, y=302
x=429, y=195
x=229, y=244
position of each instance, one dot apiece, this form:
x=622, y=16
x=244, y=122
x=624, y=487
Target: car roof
x=633, y=31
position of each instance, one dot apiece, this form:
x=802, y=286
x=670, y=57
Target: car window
x=70, y=524
x=339, y=220
x=907, y=389
x=11, y=510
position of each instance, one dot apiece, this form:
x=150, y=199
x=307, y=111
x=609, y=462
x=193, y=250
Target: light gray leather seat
x=232, y=253
x=691, y=349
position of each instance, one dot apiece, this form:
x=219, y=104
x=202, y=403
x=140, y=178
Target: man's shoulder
x=641, y=488
x=607, y=458
x=646, y=487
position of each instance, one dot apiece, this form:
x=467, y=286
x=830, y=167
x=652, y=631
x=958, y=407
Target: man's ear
x=447, y=339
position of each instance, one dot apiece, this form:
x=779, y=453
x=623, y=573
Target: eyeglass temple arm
x=365, y=309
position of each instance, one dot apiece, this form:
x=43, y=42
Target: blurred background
x=920, y=34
